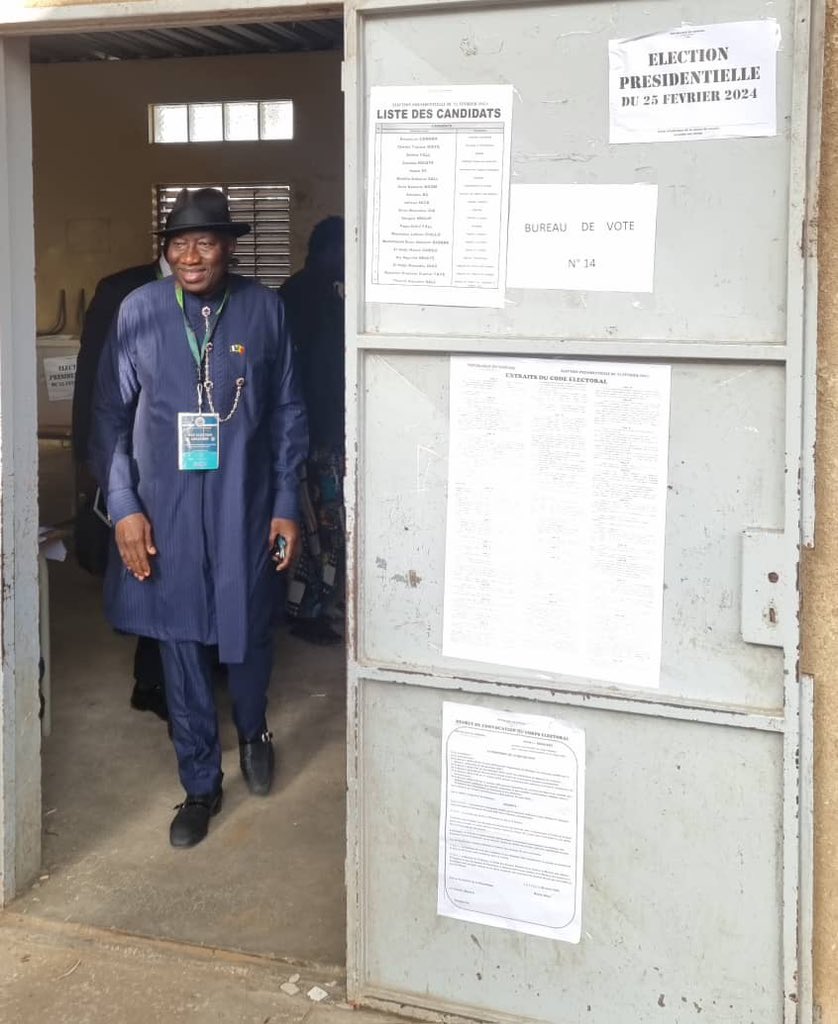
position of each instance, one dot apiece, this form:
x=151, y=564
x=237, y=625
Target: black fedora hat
x=205, y=209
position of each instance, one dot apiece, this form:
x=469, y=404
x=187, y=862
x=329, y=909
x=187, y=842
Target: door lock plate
x=767, y=584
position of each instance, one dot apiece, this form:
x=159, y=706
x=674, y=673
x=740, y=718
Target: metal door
x=695, y=893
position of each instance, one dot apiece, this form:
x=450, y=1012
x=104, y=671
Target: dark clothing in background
x=110, y=292
x=148, y=665
x=315, y=590
x=314, y=307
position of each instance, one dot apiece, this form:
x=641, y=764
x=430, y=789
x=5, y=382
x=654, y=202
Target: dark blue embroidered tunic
x=212, y=576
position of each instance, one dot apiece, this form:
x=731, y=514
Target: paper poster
x=695, y=82
x=557, y=484
x=60, y=377
x=598, y=238
x=439, y=162
x=512, y=821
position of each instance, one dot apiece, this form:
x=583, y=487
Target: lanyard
x=199, y=351
x=201, y=355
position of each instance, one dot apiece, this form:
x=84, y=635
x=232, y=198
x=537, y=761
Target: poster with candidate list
x=439, y=164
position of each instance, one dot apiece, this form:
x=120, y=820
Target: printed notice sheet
x=695, y=82
x=439, y=163
x=512, y=821
x=557, y=486
x=60, y=377
x=583, y=237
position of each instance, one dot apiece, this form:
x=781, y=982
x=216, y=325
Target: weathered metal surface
x=769, y=591
x=20, y=729
x=682, y=899
x=711, y=498
x=736, y=270
x=729, y=312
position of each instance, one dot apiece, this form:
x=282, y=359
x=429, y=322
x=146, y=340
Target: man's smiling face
x=199, y=259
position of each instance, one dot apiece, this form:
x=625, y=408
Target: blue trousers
x=188, y=673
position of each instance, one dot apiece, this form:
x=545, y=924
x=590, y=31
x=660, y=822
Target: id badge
x=198, y=440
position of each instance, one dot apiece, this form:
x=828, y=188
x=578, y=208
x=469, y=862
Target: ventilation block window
x=234, y=121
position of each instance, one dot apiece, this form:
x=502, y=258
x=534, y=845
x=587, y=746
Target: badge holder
x=199, y=437
x=199, y=433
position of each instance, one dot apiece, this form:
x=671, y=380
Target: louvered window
x=266, y=252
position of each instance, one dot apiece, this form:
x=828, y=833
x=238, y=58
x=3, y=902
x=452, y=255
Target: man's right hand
x=135, y=543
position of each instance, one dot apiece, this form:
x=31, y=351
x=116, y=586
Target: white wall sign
x=556, y=516
x=582, y=237
x=438, y=175
x=695, y=82
x=512, y=821
x=60, y=377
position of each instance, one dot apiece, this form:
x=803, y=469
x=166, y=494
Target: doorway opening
x=269, y=878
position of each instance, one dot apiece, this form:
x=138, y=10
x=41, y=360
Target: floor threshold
x=65, y=972
x=84, y=933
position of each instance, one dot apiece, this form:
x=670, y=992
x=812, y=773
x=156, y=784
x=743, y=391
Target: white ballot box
x=57, y=357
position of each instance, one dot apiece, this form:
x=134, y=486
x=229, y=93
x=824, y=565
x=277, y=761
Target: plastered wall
x=95, y=167
x=820, y=566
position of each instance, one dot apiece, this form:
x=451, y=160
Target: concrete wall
x=95, y=167
x=820, y=575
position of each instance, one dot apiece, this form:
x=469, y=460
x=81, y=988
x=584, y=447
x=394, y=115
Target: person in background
x=314, y=302
x=199, y=435
x=91, y=535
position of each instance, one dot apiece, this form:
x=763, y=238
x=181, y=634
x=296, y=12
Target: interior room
x=121, y=122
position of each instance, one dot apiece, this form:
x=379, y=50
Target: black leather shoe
x=191, y=823
x=150, y=698
x=316, y=631
x=256, y=758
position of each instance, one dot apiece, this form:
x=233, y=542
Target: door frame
x=20, y=727
x=20, y=730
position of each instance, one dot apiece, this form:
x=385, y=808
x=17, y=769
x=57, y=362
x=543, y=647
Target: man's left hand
x=290, y=530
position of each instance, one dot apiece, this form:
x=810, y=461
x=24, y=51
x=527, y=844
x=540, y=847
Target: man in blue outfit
x=199, y=436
